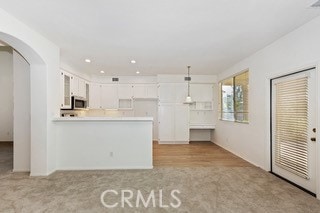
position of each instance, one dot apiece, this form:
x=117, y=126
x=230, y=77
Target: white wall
x=22, y=110
x=200, y=135
x=293, y=52
x=43, y=57
x=6, y=94
x=104, y=144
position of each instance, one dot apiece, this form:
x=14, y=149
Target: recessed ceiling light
x=102, y=71
x=87, y=60
x=133, y=61
x=138, y=72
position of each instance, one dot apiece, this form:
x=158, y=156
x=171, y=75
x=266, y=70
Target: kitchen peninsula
x=93, y=143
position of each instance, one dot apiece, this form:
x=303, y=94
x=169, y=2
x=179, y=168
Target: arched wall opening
x=43, y=57
x=25, y=131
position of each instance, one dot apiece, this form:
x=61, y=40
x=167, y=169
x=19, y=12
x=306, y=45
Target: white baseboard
x=173, y=142
x=103, y=168
x=238, y=155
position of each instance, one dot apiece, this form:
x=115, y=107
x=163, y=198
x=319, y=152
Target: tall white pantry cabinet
x=173, y=113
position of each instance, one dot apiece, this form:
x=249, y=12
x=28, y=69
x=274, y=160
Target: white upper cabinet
x=167, y=93
x=95, y=96
x=74, y=85
x=78, y=86
x=109, y=96
x=173, y=92
x=152, y=90
x=65, y=82
x=181, y=91
x=145, y=91
x=125, y=91
x=81, y=88
x=201, y=92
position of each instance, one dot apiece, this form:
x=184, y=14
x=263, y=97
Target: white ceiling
x=163, y=36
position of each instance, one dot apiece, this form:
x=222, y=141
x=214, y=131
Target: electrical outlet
x=111, y=154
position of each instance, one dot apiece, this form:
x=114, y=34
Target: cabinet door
x=74, y=86
x=125, y=91
x=166, y=123
x=181, y=92
x=181, y=123
x=65, y=80
x=81, y=88
x=152, y=90
x=87, y=96
x=201, y=92
x=109, y=96
x=139, y=91
x=167, y=93
x=95, y=96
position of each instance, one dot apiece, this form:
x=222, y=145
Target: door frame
x=268, y=148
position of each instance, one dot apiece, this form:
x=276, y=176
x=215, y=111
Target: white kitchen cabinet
x=173, y=92
x=181, y=121
x=201, y=92
x=166, y=123
x=148, y=91
x=65, y=82
x=81, y=88
x=95, y=96
x=152, y=90
x=109, y=96
x=147, y=108
x=78, y=86
x=74, y=85
x=173, y=123
x=125, y=91
x=201, y=111
x=87, y=86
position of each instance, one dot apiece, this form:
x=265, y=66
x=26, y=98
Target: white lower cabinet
x=173, y=123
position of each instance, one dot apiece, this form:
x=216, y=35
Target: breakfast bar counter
x=93, y=143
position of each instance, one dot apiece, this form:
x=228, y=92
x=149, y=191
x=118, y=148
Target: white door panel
x=166, y=123
x=181, y=117
x=293, y=120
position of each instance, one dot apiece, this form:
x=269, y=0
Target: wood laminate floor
x=6, y=156
x=195, y=154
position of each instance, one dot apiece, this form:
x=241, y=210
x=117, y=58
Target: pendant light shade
x=188, y=98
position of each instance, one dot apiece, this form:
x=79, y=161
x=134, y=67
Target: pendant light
x=188, y=98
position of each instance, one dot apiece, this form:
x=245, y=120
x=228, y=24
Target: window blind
x=291, y=136
x=241, y=88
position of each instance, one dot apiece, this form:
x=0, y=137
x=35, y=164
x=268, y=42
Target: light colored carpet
x=209, y=189
x=203, y=189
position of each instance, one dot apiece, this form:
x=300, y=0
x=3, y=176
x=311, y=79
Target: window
x=233, y=94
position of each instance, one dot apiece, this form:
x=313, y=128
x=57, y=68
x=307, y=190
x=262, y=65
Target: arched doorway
x=43, y=57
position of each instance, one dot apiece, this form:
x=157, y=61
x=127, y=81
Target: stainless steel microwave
x=79, y=102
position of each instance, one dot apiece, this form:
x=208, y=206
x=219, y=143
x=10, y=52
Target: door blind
x=291, y=138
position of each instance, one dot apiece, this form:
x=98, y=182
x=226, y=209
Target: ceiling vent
x=115, y=79
x=317, y=4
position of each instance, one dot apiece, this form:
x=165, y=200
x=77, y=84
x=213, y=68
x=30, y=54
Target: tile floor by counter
x=210, y=188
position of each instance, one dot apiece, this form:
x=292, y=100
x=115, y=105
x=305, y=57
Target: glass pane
x=67, y=98
x=227, y=107
x=241, y=83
